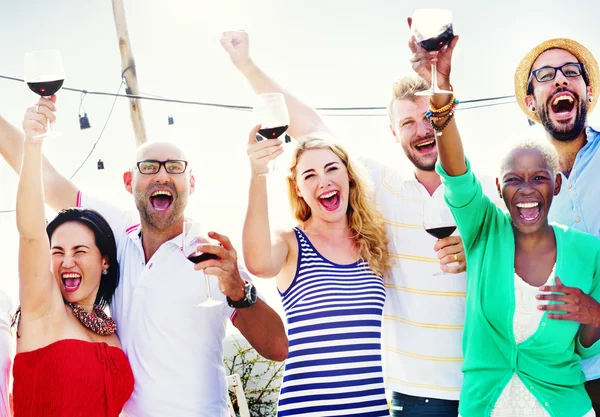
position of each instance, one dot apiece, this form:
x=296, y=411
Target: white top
x=516, y=400
x=6, y=352
x=174, y=347
x=424, y=314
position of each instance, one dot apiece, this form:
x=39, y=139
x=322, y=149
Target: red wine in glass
x=45, y=88
x=197, y=258
x=192, y=236
x=273, y=132
x=432, y=29
x=441, y=232
x=438, y=42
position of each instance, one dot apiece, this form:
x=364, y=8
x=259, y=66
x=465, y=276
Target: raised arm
x=263, y=258
x=60, y=192
x=304, y=119
x=38, y=291
x=450, y=150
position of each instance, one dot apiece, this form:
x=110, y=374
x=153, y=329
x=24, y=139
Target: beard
x=422, y=165
x=564, y=132
x=159, y=220
x=421, y=162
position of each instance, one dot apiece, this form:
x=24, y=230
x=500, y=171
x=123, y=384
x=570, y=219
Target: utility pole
x=129, y=72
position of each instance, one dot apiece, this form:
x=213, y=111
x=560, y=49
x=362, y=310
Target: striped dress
x=334, y=315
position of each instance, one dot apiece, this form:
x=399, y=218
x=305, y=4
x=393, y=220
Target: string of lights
x=235, y=106
x=84, y=122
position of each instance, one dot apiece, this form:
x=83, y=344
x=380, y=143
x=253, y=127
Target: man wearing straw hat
x=556, y=85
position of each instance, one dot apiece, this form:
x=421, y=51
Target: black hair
x=105, y=241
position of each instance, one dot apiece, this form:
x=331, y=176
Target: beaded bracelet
x=443, y=112
x=439, y=129
x=448, y=107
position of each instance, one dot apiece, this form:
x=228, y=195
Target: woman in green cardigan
x=521, y=348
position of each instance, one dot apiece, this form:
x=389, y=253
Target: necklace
x=100, y=323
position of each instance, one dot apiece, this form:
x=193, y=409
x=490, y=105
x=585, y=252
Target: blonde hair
x=366, y=224
x=405, y=88
x=549, y=154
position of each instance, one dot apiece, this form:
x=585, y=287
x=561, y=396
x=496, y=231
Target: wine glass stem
x=207, y=282
x=434, y=84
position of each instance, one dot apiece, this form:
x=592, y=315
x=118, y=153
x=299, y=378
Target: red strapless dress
x=71, y=378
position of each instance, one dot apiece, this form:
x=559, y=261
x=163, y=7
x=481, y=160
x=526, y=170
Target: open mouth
x=330, y=201
x=161, y=200
x=71, y=281
x=563, y=105
x=425, y=146
x=529, y=212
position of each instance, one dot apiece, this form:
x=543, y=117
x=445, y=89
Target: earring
x=591, y=99
x=533, y=109
x=104, y=271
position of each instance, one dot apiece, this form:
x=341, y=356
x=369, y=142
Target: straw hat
x=579, y=51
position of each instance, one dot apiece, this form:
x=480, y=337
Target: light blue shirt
x=577, y=206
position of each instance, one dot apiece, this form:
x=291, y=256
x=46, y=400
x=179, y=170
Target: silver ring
x=37, y=108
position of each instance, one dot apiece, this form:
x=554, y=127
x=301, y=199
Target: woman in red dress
x=69, y=360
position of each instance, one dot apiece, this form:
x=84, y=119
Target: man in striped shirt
x=424, y=311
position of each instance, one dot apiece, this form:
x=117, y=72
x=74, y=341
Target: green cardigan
x=547, y=362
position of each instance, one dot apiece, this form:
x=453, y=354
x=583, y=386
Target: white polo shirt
x=174, y=347
x=424, y=314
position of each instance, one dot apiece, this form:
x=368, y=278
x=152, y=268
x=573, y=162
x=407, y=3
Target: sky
x=330, y=53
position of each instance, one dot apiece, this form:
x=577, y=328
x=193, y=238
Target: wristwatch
x=249, y=297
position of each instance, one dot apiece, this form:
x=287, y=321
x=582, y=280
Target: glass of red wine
x=192, y=237
x=438, y=220
x=44, y=75
x=432, y=29
x=271, y=112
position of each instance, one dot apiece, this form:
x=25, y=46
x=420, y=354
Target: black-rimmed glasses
x=569, y=70
x=152, y=166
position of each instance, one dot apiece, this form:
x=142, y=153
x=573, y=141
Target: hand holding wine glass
x=438, y=220
x=38, y=117
x=432, y=43
x=261, y=153
x=271, y=112
x=193, y=240
x=44, y=74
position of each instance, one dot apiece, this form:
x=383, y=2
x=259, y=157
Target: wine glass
x=438, y=220
x=432, y=29
x=44, y=75
x=271, y=112
x=192, y=237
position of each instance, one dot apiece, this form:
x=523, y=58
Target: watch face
x=251, y=293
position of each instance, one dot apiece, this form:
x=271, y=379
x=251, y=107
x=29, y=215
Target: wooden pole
x=129, y=72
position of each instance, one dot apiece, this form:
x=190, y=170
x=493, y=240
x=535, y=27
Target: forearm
x=30, y=194
x=304, y=119
x=60, y=192
x=256, y=235
x=450, y=149
x=264, y=330
x=589, y=335
x=11, y=144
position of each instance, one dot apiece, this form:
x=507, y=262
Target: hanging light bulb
x=100, y=164
x=84, y=122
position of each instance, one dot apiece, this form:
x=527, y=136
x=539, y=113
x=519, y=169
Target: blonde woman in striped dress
x=328, y=271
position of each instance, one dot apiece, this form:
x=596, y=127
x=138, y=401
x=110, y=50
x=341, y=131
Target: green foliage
x=260, y=378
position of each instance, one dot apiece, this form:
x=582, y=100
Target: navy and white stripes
x=334, y=315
